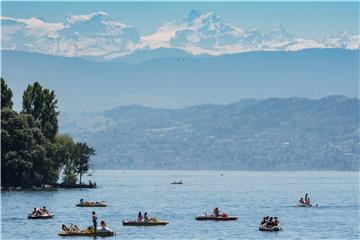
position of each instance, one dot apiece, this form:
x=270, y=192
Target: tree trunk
x=80, y=177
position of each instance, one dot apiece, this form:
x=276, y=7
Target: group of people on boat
x=305, y=201
x=40, y=212
x=142, y=218
x=82, y=202
x=92, y=184
x=177, y=182
x=72, y=228
x=269, y=222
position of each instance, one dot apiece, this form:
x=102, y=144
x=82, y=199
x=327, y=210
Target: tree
x=23, y=159
x=32, y=153
x=81, y=158
x=69, y=146
x=41, y=104
x=69, y=174
x=6, y=95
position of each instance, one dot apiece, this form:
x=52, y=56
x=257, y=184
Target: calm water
x=249, y=195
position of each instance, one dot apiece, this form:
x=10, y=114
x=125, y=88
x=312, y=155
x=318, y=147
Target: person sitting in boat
x=216, y=212
x=34, y=212
x=301, y=201
x=308, y=202
x=146, y=218
x=81, y=200
x=263, y=222
x=103, y=228
x=64, y=228
x=275, y=222
x=140, y=217
x=74, y=228
x=270, y=222
x=44, y=210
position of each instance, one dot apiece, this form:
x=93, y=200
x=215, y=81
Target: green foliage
x=41, y=104
x=21, y=151
x=6, y=95
x=82, y=156
x=32, y=153
x=70, y=176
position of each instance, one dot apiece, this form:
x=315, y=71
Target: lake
x=249, y=195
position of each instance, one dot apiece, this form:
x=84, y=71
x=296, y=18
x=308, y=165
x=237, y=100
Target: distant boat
x=91, y=204
x=177, y=182
x=144, y=224
x=91, y=173
x=211, y=217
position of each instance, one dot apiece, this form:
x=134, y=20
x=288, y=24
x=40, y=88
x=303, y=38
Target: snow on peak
x=194, y=33
x=96, y=16
x=95, y=34
x=343, y=40
x=98, y=35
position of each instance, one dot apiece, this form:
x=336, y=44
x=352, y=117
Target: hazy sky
x=305, y=19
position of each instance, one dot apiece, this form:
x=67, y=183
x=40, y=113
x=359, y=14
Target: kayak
x=44, y=216
x=91, y=204
x=213, y=218
x=145, y=224
x=270, y=229
x=176, y=183
x=86, y=233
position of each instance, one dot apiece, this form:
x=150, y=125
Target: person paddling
x=94, y=219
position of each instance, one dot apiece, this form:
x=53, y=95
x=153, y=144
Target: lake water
x=249, y=195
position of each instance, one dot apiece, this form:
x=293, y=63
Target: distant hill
x=270, y=134
x=179, y=81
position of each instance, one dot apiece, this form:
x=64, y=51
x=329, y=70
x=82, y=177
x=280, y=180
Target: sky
x=305, y=19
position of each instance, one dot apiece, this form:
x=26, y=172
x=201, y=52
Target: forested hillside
x=270, y=134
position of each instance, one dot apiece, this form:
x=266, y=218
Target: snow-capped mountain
x=343, y=40
x=94, y=34
x=208, y=33
x=98, y=35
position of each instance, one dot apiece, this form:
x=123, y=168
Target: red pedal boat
x=211, y=217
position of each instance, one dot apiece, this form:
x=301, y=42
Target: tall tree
x=23, y=159
x=69, y=146
x=81, y=158
x=41, y=104
x=6, y=95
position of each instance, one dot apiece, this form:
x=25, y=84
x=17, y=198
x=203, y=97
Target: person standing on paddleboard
x=94, y=219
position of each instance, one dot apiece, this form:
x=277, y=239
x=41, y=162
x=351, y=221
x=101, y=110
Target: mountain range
x=98, y=36
x=251, y=134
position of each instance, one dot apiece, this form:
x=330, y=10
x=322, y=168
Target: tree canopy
x=32, y=151
x=41, y=104
x=81, y=158
x=6, y=95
